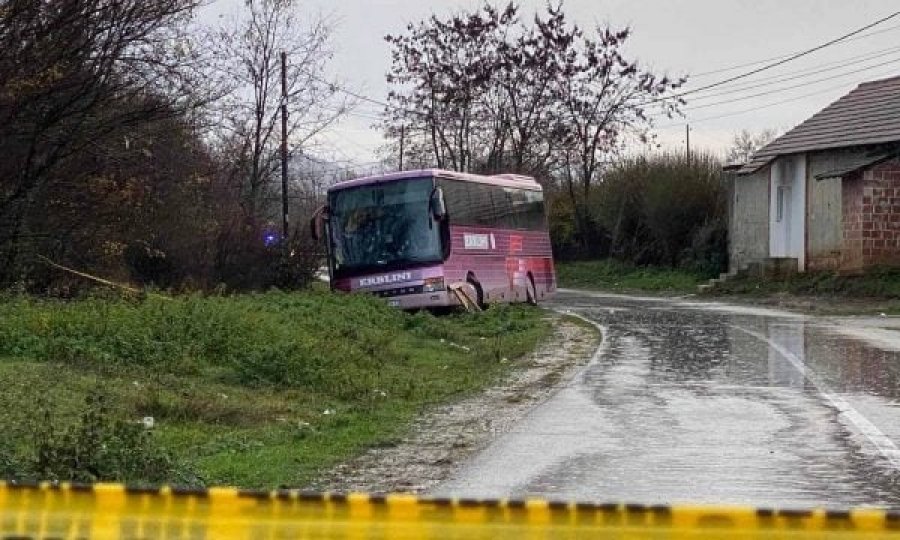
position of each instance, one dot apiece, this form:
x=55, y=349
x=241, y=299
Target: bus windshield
x=383, y=226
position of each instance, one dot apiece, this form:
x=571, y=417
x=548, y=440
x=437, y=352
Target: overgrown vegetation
x=661, y=210
x=254, y=390
x=141, y=146
x=616, y=276
x=875, y=283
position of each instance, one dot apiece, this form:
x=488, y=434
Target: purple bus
x=410, y=236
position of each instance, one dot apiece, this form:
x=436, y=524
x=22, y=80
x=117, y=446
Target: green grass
x=879, y=283
x=255, y=390
x=615, y=276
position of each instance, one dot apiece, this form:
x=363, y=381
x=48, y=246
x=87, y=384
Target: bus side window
x=457, y=198
x=515, y=209
x=534, y=210
x=482, y=205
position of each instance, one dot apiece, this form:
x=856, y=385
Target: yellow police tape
x=114, y=511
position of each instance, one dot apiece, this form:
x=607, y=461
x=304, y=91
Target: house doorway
x=786, y=222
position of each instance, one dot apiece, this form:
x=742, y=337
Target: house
x=825, y=195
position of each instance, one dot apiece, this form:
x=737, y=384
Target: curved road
x=707, y=403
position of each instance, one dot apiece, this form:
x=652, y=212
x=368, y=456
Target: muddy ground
x=443, y=439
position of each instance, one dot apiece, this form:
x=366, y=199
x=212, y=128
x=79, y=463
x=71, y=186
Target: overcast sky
x=689, y=37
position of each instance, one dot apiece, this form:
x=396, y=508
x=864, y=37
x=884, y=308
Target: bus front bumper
x=423, y=300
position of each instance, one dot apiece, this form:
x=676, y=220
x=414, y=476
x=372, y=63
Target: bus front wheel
x=479, y=293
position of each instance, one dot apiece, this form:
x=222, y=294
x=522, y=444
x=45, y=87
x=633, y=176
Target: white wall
x=787, y=224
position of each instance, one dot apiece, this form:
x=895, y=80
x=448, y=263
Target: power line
x=357, y=95
x=758, y=83
x=330, y=165
x=754, y=109
x=781, y=62
x=757, y=62
x=792, y=87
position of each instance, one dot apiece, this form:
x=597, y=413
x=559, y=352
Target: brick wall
x=852, y=198
x=871, y=217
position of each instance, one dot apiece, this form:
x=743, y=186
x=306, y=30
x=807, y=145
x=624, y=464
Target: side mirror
x=317, y=223
x=436, y=204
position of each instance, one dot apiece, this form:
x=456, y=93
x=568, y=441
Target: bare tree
x=604, y=101
x=484, y=91
x=746, y=143
x=76, y=73
x=441, y=72
x=249, y=50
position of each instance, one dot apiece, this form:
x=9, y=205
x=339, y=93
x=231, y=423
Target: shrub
x=99, y=447
x=656, y=210
x=708, y=252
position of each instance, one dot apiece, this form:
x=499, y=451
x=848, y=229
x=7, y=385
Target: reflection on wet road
x=688, y=402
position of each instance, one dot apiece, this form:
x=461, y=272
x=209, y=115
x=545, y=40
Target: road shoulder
x=444, y=438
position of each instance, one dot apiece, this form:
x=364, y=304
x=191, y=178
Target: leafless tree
x=249, y=51
x=440, y=74
x=746, y=143
x=73, y=75
x=485, y=91
x=605, y=101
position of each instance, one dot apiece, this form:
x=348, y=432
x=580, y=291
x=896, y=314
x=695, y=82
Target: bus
x=412, y=236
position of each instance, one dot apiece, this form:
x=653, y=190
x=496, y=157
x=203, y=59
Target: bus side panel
x=501, y=261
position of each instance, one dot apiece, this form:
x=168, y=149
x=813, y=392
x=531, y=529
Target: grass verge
x=615, y=276
x=876, y=291
x=254, y=390
x=877, y=283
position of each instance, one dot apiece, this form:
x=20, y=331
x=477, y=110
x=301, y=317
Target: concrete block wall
x=748, y=238
x=871, y=215
x=824, y=231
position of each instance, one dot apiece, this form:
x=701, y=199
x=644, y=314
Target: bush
x=612, y=275
x=234, y=382
x=708, y=252
x=150, y=266
x=99, y=448
x=8, y=466
x=657, y=205
x=655, y=210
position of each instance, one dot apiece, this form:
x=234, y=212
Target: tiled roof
x=857, y=164
x=870, y=114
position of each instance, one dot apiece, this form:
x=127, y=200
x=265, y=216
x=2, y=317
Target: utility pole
x=687, y=136
x=402, y=141
x=284, y=154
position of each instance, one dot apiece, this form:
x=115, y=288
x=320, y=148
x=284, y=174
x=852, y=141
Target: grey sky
x=674, y=36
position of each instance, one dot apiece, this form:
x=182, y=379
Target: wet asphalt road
x=698, y=403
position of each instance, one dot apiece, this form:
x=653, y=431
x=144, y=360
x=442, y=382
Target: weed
x=99, y=447
x=876, y=283
x=257, y=390
x=611, y=275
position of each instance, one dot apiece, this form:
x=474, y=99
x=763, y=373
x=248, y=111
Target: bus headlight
x=433, y=284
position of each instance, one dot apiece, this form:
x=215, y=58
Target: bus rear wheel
x=531, y=292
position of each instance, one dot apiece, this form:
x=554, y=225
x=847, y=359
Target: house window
x=782, y=197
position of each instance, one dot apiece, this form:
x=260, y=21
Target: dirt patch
x=445, y=437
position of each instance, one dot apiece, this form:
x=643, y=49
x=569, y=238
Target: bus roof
x=505, y=180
